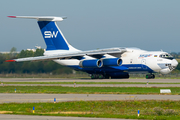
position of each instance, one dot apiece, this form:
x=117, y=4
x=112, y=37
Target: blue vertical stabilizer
x=53, y=37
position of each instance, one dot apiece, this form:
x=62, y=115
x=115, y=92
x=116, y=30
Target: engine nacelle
x=112, y=62
x=94, y=63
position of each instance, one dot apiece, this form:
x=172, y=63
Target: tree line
x=29, y=67
x=176, y=55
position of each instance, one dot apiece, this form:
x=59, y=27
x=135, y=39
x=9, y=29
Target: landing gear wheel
x=106, y=77
x=153, y=76
x=101, y=77
x=97, y=76
x=94, y=76
x=150, y=76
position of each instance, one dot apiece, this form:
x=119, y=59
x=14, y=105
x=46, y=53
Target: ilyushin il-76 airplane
x=101, y=63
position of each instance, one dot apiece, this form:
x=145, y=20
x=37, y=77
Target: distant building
x=34, y=50
x=38, y=47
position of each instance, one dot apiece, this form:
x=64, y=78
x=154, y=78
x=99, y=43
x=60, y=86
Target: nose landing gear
x=150, y=76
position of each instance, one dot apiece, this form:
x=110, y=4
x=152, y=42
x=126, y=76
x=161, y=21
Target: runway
x=87, y=80
x=97, y=85
x=34, y=98
x=35, y=117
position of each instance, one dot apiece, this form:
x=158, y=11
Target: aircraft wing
x=75, y=55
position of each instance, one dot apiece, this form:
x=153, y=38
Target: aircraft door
x=143, y=62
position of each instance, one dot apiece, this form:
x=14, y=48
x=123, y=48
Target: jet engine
x=94, y=63
x=112, y=62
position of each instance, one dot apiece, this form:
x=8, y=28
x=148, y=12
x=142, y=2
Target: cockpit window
x=166, y=56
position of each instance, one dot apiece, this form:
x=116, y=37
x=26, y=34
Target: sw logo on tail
x=49, y=34
x=102, y=63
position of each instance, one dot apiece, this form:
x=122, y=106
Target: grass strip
x=86, y=90
x=85, y=83
x=149, y=109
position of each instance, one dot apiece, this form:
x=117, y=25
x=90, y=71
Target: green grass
x=87, y=90
x=149, y=109
x=85, y=83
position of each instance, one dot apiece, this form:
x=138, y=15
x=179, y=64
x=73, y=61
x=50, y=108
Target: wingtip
x=12, y=16
x=10, y=61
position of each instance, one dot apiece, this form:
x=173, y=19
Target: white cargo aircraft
x=102, y=63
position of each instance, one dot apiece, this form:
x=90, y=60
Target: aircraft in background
x=102, y=63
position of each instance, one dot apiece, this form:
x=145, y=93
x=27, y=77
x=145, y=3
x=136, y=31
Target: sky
x=151, y=25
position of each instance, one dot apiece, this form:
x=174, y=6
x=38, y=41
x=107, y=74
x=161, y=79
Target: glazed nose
x=174, y=63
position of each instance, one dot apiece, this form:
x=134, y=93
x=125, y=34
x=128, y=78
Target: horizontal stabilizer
x=10, y=61
x=41, y=18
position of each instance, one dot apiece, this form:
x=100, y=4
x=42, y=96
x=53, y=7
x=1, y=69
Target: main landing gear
x=98, y=76
x=150, y=76
x=116, y=76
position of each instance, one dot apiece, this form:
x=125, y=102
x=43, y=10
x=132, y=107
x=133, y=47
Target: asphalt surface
x=87, y=80
x=31, y=117
x=34, y=98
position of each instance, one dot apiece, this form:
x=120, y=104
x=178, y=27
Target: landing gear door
x=143, y=62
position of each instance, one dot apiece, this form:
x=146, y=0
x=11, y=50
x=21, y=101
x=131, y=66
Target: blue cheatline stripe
x=52, y=36
x=125, y=67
